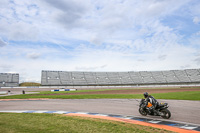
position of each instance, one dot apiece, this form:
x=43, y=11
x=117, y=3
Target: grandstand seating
x=66, y=78
x=102, y=78
x=114, y=78
x=182, y=76
x=72, y=78
x=79, y=78
x=159, y=77
x=193, y=74
x=147, y=77
x=136, y=77
x=125, y=78
x=90, y=78
x=9, y=80
x=170, y=77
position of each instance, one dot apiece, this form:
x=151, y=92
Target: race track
x=182, y=110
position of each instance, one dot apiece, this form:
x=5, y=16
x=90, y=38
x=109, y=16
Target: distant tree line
x=29, y=84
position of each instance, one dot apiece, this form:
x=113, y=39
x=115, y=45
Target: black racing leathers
x=154, y=103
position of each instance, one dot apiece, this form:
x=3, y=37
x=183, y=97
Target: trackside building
x=9, y=80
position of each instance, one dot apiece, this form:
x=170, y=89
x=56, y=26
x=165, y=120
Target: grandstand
x=71, y=78
x=9, y=80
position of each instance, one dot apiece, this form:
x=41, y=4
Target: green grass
x=53, y=123
x=92, y=90
x=187, y=95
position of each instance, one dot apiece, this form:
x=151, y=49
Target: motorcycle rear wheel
x=166, y=113
x=142, y=112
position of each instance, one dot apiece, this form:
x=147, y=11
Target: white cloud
x=6, y=67
x=197, y=60
x=198, y=33
x=194, y=40
x=196, y=20
x=2, y=43
x=100, y=35
x=162, y=57
x=66, y=13
x=3, y=3
x=13, y=29
x=33, y=55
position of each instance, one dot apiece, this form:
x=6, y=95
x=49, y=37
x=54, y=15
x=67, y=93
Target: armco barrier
x=3, y=92
x=64, y=90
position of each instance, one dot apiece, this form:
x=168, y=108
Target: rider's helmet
x=146, y=94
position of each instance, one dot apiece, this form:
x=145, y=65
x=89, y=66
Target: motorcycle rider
x=153, y=101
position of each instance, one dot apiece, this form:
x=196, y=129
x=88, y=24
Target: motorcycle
x=160, y=110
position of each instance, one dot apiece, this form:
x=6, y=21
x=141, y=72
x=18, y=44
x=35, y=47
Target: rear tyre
x=142, y=112
x=166, y=114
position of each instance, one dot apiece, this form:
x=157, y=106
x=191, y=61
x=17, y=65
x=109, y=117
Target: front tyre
x=166, y=114
x=142, y=112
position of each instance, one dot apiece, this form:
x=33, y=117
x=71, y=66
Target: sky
x=98, y=35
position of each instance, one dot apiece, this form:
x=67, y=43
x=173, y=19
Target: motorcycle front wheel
x=142, y=112
x=166, y=114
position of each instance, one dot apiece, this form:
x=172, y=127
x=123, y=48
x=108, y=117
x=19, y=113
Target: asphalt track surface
x=181, y=110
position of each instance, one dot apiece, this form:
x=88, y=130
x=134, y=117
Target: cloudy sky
x=98, y=35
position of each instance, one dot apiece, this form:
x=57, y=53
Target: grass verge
x=93, y=90
x=51, y=123
x=187, y=95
